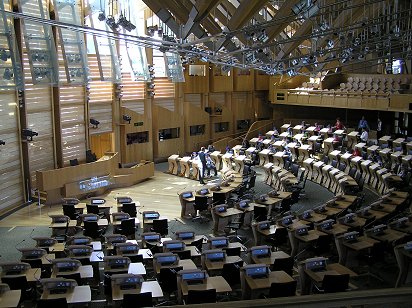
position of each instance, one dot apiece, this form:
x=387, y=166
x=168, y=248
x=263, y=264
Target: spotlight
x=94, y=122
x=263, y=37
x=2, y=142
x=101, y=16
x=111, y=23
x=8, y=74
x=28, y=134
x=127, y=118
x=4, y=55
x=330, y=44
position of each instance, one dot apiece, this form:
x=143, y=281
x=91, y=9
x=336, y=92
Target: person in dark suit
x=202, y=158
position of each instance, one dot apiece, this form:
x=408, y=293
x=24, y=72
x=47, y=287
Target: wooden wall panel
x=194, y=115
x=242, y=103
x=100, y=144
x=243, y=80
x=196, y=84
x=261, y=81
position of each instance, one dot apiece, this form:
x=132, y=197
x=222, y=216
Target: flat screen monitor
x=118, y=263
x=167, y=260
x=217, y=256
x=260, y=252
x=402, y=222
x=185, y=235
x=219, y=242
x=80, y=251
x=287, y=220
x=193, y=276
x=264, y=225
x=122, y=200
x=90, y=218
x=80, y=241
x=128, y=248
x=302, y=231
x=221, y=209
x=151, y=237
x=66, y=266
x=321, y=209
x=307, y=214
x=349, y=217
x=351, y=236
x=187, y=195
x=327, y=224
x=173, y=246
x=316, y=264
x=379, y=229
x=151, y=215
x=116, y=239
x=257, y=271
x=408, y=246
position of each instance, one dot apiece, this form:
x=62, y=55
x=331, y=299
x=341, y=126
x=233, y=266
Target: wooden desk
x=215, y=282
x=187, y=264
x=315, y=217
x=357, y=222
x=148, y=223
x=85, y=271
x=362, y=243
x=337, y=229
x=407, y=228
x=388, y=235
x=222, y=219
x=78, y=295
x=134, y=268
x=10, y=298
x=274, y=255
x=147, y=286
x=32, y=275
x=63, y=225
x=102, y=222
x=254, y=287
x=218, y=266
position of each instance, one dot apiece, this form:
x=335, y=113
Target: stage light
x=2, y=142
x=4, y=55
x=94, y=122
x=127, y=118
x=101, y=16
x=111, y=23
x=8, y=74
x=28, y=134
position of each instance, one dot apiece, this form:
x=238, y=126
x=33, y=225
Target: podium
x=293, y=147
x=384, y=140
x=324, y=132
x=278, y=145
x=216, y=157
x=253, y=141
x=345, y=158
x=312, y=140
x=308, y=165
x=195, y=170
x=172, y=160
x=396, y=158
x=365, y=170
x=184, y=166
x=317, y=171
x=264, y=157
x=227, y=161
x=297, y=129
x=236, y=149
x=278, y=159
x=397, y=143
x=311, y=130
x=269, y=134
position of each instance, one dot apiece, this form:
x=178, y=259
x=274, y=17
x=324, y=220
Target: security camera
x=29, y=134
x=127, y=118
x=94, y=122
x=2, y=142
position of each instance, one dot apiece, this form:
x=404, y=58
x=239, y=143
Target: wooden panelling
x=243, y=80
x=164, y=88
x=194, y=99
x=219, y=83
x=100, y=144
x=242, y=106
x=194, y=115
x=11, y=180
x=196, y=84
x=261, y=81
x=401, y=102
x=261, y=106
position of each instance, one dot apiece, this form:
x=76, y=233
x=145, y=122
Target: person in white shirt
x=364, y=136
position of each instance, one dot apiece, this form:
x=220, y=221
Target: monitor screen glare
x=260, y=252
x=151, y=215
x=193, y=276
x=152, y=238
x=167, y=260
x=186, y=235
x=257, y=272
x=216, y=256
x=174, y=246
x=187, y=195
x=219, y=243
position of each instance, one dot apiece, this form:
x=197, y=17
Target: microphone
x=35, y=273
x=19, y=243
x=139, y=211
x=99, y=257
x=31, y=233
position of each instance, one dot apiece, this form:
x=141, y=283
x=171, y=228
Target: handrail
x=363, y=297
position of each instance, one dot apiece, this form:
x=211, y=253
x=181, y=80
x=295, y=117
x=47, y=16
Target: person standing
x=202, y=158
x=379, y=132
x=363, y=124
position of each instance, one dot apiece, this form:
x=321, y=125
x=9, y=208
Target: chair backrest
x=284, y=264
x=335, y=283
x=16, y=282
x=138, y=300
x=129, y=208
x=198, y=244
x=70, y=211
x=168, y=278
x=128, y=225
x=218, y=198
x=283, y=289
x=161, y=226
x=201, y=203
x=260, y=213
x=231, y=272
x=233, y=251
x=201, y=296
x=91, y=229
x=52, y=303
x=294, y=169
x=184, y=254
x=251, y=182
x=92, y=209
x=334, y=163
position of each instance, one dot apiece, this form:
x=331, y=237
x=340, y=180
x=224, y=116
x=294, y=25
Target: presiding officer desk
x=76, y=181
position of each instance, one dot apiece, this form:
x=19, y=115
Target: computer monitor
x=287, y=220
x=166, y=259
x=402, y=222
x=81, y=240
x=151, y=237
x=203, y=191
x=220, y=208
x=124, y=199
x=115, y=262
x=66, y=265
x=327, y=224
x=185, y=235
x=81, y=251
x=125, y=248
x=193, y=277
x=97, y=201
x=187, y=195
x=263, y=225
x=45, y=241
x=379, y=229
x=150, y=215
x=365, y=211
x=115, y=238
x=273, y=193
x=320, y=209
x=214, y=255
x=14, y=268
x=260, y=251
x=216, y=188
x=90, y=217
x=316, y=264
x=307, y=214
x=263, y=198
x=32, y=253
x=243, y=204
x=351, y=236
x=257, y=271
x=219, y=242
x=174, y=245
x=349, y=217
x=302, y=230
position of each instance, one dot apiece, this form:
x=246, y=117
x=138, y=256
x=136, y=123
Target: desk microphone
x=99, y=257
x=31, y=233
x=139, y=211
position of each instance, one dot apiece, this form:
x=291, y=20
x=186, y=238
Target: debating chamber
x=249, y=153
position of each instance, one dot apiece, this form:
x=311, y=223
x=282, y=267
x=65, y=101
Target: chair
x=160, y=226
x=153, y=248
x=233, y=227
x=94, y=209
x=283, y=289
x=136, y=258
x=231, y=272
x=200, y=205
x=295, y=169
x=284, y=264
x=279, y=238
x=184, y=254
x=129, y=208
x=168, y=279
x=52, y=303
x=201, y=296
x=260, y=213
x=70, y=211
x=352, y=172
x=251, y=182
x=335, y=283
x=198, y=244
x=137, y=300
x=91, y=228
x=128, y=228
x=233, y=251
x=19, y=283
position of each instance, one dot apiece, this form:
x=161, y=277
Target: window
x=221, y=127
x=197, y=70
x=140, y=137
x=169, y=133
x=243, y=124
x=197, y=130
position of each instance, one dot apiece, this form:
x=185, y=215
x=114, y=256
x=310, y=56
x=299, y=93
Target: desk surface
x=134, y=268
x=312, y=235
x=264, y=283
x=10, y=298
x=407, y=228
x=273, y=257
x=147, y=286
x=337, y=229
x=388, y=235
x=119, y=222
x=187, y=264
x=331, y=269
x=314, y=217
x=363, y=242
x=271, y=231
x=212, y=266
x=102, y=222
x=79, y=294
x=229, y=212
x=217, y=282
x=63, y=225
x=86, y=271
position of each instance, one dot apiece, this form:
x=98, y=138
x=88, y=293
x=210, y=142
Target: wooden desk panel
x=79, y=295
x=10, y=298
x=147, y=286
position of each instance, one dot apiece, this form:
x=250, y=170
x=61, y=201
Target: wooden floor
x=159, y=193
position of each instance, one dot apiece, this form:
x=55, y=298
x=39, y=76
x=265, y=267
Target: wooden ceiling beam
x=204, y=7
x=244, y=13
